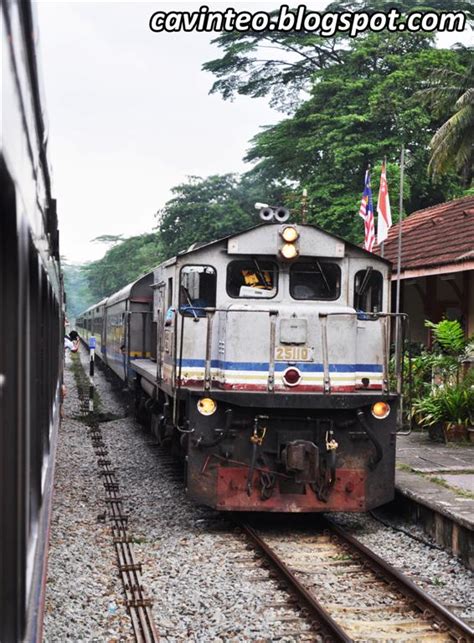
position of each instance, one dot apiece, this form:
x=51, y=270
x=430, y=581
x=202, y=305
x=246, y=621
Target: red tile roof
x=439, y=235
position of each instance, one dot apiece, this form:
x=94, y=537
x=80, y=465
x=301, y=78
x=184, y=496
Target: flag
x=384, y=220
x=366, y=211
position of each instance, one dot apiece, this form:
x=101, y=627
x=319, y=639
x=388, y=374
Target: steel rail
x=309, y=601
x=425, y=602
x=430, y=609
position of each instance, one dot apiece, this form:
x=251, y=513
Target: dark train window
x=315, y=280
x=252, y=278
x=170, y=292
x=197, y=290
x=368, y=291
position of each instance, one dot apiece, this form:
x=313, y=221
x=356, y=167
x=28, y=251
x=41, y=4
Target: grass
x=457, y=490
x=401, y=466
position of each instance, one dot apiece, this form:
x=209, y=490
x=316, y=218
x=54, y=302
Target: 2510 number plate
x=293, y=354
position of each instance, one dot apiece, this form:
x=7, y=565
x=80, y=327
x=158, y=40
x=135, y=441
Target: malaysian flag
x=366, y=211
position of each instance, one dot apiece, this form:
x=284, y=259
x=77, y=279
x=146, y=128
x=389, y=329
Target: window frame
x=373, y=272
x=186, y=265
x=277, y=284
x=302, y=261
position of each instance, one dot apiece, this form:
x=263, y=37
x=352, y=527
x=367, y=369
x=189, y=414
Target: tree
x=76, y=287
x=123, y=263
x=452, y=146
x=204, y=209
x=283, y=65
x=359, y=112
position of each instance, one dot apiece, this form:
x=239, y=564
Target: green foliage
x=78, y=295
x=204, y=209
x=452, y=92
x=449, y=336
x=359, y=112
x=282, y=65
x=364, y=101
x=439, y=395
x=122, y=263
x=451, y=405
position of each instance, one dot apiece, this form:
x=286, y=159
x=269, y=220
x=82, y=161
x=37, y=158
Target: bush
x=451, y=405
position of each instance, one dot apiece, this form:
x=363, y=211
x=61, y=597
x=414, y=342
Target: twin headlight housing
x=289, y=250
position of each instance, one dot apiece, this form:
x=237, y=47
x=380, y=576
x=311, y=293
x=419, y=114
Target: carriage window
x=197, y=290
x=252, y=278
x=315, y=280
x=368, y=289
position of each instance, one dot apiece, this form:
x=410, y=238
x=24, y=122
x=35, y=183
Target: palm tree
x=452, y=146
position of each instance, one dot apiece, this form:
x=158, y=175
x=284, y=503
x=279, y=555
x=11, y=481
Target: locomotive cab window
x=315, y=280
x=197, y=290
x=252, y=278
x=368, y=290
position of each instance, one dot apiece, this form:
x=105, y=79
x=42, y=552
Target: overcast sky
x=130, y=115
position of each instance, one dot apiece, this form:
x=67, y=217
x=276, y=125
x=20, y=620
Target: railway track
x=350, y=592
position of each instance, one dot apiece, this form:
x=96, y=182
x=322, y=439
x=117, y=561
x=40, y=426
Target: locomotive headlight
x=290, y=234
x=289, y=251
x=380, y=410
x=206, y=406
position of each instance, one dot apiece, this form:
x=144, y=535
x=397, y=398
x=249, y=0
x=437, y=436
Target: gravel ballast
x=196, y=566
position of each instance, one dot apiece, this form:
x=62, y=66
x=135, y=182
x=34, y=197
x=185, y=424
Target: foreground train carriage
x=268, y=366
x=31, y=330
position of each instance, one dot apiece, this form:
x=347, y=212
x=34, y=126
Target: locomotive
x=263, y=357
x=31, y=328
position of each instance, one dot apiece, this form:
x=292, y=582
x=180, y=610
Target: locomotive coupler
x=301, y=457
x=256, y=440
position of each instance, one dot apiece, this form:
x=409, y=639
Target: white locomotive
x=263, y=357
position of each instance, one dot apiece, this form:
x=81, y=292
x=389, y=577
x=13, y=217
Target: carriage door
x=167, y=348
x=159, y=312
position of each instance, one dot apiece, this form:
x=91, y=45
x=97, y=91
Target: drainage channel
x=138, y=604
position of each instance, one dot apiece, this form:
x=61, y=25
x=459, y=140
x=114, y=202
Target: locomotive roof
x=353, y=246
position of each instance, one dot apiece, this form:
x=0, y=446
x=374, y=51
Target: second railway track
x=352, y=593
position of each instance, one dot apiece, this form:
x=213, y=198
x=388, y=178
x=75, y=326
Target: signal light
x=206, y=406
x=292, y=376
x=380, y=410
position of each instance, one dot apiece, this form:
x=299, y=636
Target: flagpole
x=399, y=266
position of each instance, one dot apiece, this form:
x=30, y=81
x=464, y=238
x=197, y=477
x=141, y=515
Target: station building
x=437, y=265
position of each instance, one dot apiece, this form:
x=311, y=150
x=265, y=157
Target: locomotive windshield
x=197, y=290
x=315, y=280
x=252, y=278
x=368, y=287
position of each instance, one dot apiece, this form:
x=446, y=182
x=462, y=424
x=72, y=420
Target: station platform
x=435, y=486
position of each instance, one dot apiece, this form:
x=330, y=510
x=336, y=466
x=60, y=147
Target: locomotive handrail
x=399, y=355
x=210, y=312
x=207, y=309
